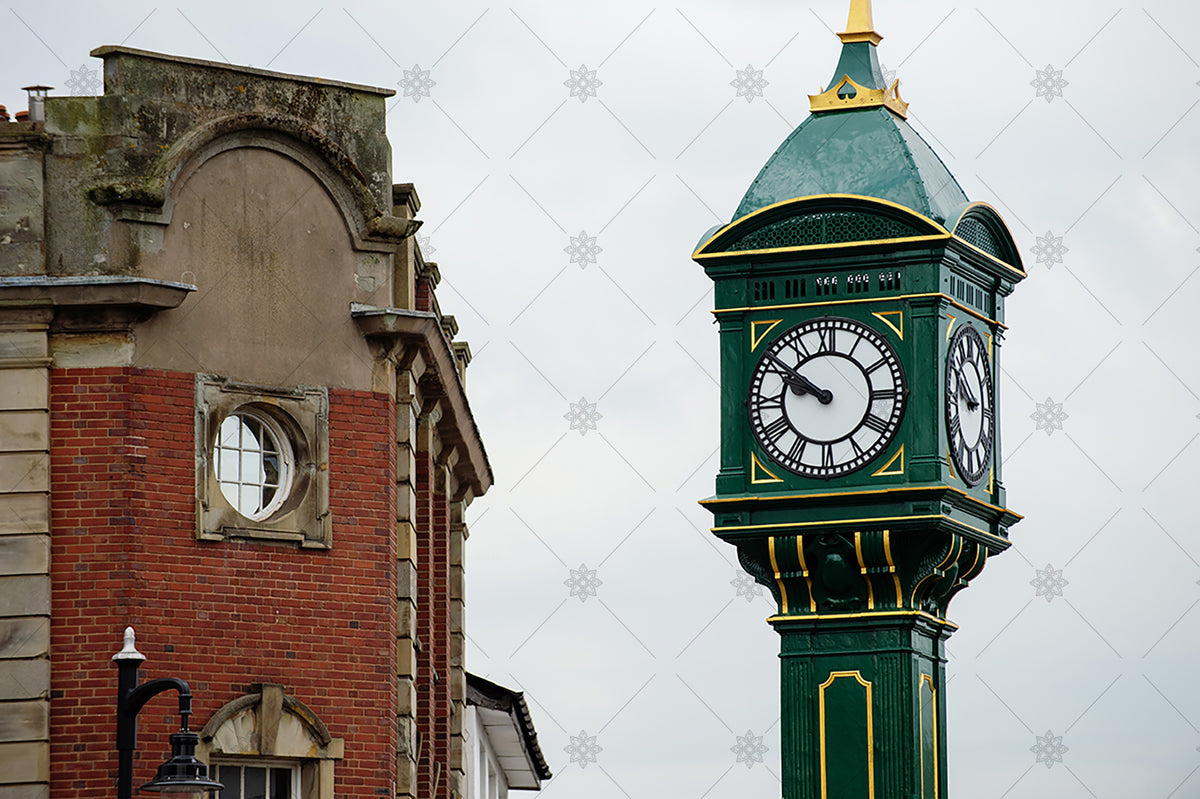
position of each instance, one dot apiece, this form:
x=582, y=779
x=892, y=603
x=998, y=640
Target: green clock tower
x=860, y=297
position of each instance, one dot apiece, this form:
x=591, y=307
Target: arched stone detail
x=151, y=199
x=269, y=723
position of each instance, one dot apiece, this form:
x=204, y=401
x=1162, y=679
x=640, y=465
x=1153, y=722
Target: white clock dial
x=826, y=397
x=970, y=410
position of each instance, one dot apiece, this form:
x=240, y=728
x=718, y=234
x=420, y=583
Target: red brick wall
x=221, y=615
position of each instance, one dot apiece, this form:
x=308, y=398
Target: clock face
x=970, y=412
x=826, y=397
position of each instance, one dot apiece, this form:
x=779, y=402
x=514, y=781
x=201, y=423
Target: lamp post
x=182, y=773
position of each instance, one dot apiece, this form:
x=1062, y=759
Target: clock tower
x=860, y=297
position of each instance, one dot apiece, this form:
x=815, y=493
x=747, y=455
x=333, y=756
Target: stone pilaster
x=408, y=411
x=24, y=553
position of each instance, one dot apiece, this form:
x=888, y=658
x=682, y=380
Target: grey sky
x=666, y=664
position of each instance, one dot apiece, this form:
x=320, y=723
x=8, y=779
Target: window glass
x=257, y=781
x=281, y=783
x=252, y=463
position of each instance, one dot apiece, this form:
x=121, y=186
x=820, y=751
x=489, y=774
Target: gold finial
x=860, y=27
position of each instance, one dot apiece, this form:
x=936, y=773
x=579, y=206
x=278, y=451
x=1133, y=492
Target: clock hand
x=972, y=403
x=800, y=385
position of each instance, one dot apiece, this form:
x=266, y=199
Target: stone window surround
x=302, y=413
x=266, y=724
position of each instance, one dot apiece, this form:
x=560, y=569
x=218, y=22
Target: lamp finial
x=129, y=651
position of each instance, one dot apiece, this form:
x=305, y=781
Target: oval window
x=253, y=463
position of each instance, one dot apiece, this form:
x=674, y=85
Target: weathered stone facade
x=202, y=241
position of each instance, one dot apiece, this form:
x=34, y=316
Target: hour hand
x=800, y=385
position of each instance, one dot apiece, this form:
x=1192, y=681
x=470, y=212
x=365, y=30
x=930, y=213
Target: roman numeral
x=776, y=428
x=955, y=429
x=827, y=456
x=827, y=340
x=875, y=423
x=875, y=365
x=797, y=450
x=858, y=451
x=882, y=395
x=769, y=403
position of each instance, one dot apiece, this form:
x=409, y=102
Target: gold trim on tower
x=756, y=467
x=898, y=326
x=886, y=469
x=725, y=500
x=946, y=297
x=870, y=730
x=925, y=678
x=887, y=553
x=783, y=599
x=812, y=602
x=862, y=569
x=860, y=26
x=878, y=614
x=848, y=93
x=950, y=326
x=877, y=520
x=756, y=337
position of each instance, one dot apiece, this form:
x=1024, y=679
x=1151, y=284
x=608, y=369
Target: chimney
x=37, y=102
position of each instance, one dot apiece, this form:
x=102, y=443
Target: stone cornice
x=92, y=303
x=423, y=329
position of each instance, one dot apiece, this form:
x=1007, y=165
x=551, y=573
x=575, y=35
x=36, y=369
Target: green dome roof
x=866, y=151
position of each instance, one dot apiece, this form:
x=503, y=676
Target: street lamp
x=182, y=773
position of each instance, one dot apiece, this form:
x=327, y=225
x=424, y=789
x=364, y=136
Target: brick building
x=233, y=417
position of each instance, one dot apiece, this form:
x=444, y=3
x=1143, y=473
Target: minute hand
x=800, y=385
x=972, y=403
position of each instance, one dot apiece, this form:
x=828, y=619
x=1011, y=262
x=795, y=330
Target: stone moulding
x=148, y=198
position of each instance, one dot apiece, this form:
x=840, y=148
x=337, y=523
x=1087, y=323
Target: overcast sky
x=1077, y=121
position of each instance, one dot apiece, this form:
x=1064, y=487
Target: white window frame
x=291, y=765
x=240, y=464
